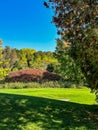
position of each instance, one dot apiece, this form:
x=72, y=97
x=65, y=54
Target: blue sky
x=27, y=24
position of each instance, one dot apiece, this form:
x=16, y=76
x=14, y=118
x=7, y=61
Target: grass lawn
x=48, y=109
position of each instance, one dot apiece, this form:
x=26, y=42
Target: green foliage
x=4, y=72
x=42, y=59
x=6, y=57
x=25, y=58
x=50, y=67
x=43, y=84
x=14, y=59
x=0, y=43
x=1, y=60
x=77, y=22
x=67, y=67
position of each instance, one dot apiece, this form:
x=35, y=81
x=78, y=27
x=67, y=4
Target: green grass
x=44, y=109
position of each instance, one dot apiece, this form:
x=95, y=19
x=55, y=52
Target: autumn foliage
x=28, y=75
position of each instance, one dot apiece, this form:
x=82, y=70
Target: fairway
x=48, y=109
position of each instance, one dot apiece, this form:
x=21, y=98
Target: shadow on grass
x=18, y=111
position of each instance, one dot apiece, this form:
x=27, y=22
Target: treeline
x=26, y=58
x=59, y=62
x=12, y=59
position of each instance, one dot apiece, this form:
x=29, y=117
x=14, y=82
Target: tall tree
x=1, y=53
x=3, y=71
x=6, y=57
x=13, y=59
x=42, y=59
x=0, y=42
x=77, y=22
x=67, y=66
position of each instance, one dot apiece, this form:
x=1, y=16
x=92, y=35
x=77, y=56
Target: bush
x=19, y=85
x=44, y=84
x=4, y=72
x=29, y=75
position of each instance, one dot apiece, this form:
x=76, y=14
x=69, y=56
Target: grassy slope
x=74, y=95
x=40, y=109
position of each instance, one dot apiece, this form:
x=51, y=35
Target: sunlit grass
x=48, y=109
x=73, y=94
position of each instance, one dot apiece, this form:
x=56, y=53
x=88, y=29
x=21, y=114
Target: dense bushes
x=35, y=78
x=28, y=75
x=20, y=85
x=44, y=84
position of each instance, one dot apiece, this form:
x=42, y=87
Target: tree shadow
x=17, y=111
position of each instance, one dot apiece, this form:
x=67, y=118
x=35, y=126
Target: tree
x=42, y=59
x=13, y=59
x=6, y=57
x=77, y=23
x=67, y=67
x=1, y=55
x=29, y=55
x=22, y=63
x=0, y=43
x=3, y=71
x=50, y=67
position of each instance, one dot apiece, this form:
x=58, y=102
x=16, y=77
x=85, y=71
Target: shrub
x=29, y=75
x=4, y=72
x=19, y=85
x=44, y=84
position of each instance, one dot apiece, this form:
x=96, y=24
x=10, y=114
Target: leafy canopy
x=67, y=66
x=77, y=23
